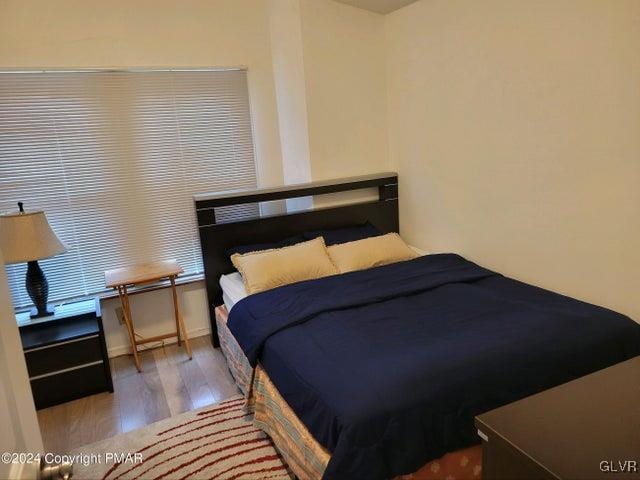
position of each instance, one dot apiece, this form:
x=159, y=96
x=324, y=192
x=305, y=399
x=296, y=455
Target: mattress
x=232, y=289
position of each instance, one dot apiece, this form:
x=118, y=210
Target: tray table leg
x=180, y=328
x=126, y=313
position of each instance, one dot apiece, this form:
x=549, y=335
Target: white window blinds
x=113, y=158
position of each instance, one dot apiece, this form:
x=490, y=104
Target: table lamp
x=27, y=237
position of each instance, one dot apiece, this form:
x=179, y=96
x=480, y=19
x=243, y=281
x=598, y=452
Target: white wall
x=148, y=33
x=329, y=66
x=515, y=130
x=344, y=62
x=288, y=70
x=151, y=33
x=20, y=431
x=331, y=112
x=513, y=125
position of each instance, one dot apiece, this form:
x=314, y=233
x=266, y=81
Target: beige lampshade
x=26, y=236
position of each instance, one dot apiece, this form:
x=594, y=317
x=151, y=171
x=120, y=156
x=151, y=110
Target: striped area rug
x=217, y=442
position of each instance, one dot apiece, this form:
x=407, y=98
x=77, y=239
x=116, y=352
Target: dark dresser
x=585, y=429
x=66, y=353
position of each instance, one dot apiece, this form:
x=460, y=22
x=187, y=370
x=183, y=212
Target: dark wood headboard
x=217, y=237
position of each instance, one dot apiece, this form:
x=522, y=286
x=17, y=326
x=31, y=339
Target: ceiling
x=378, y=6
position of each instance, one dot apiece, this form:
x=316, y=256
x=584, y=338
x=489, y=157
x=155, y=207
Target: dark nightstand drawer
x=61, y=387
x=66, y=353
x=61, y=356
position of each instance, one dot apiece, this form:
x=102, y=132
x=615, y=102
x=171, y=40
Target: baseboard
x=119, y=350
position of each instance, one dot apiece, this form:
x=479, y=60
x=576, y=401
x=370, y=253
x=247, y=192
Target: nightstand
x=66, y=353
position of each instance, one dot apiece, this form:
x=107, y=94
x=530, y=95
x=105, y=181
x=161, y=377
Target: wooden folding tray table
x=122, y=278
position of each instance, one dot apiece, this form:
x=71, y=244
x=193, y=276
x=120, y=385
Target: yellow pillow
x=370, y=252
x=273, y=268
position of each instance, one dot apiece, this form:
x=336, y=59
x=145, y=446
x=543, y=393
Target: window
x=113, y=158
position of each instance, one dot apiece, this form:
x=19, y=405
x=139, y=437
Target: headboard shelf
x=235, y=197
x=217, y=237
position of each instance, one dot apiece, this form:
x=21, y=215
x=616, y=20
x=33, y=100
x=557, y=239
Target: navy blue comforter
x=387, y=367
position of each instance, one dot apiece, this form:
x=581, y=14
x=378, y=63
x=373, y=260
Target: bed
x=379, y=373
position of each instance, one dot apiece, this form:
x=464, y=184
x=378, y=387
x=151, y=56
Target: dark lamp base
x=38, y=289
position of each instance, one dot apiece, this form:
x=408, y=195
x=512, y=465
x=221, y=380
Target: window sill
x=111, y=294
